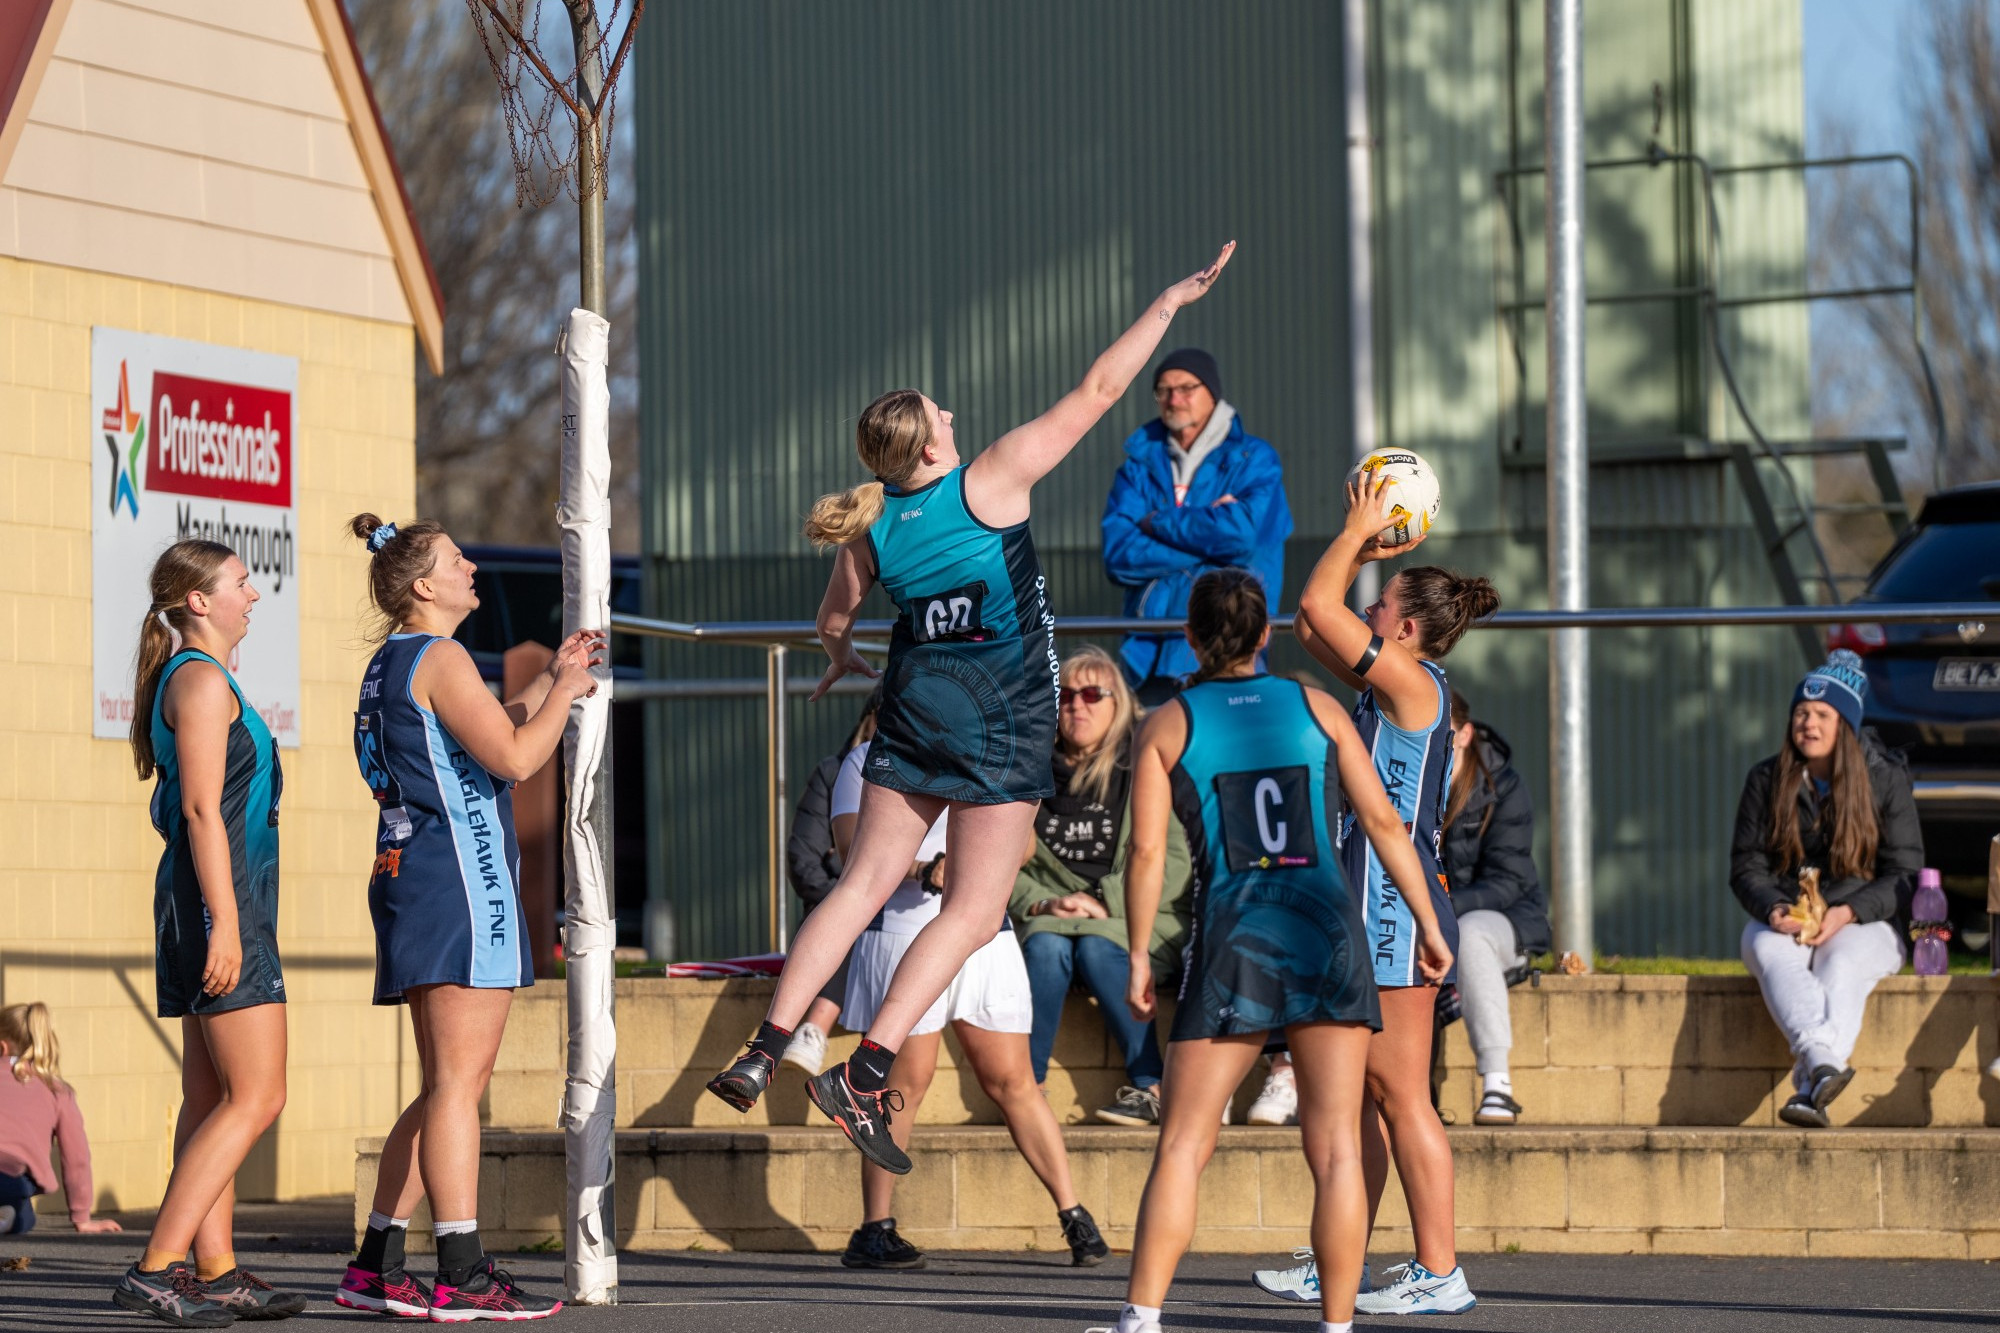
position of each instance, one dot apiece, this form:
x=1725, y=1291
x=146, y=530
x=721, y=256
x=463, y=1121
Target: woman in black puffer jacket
x=1502, y=909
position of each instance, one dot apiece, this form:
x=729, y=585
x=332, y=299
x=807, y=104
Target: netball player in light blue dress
x=968, y=703
x=1403, y=716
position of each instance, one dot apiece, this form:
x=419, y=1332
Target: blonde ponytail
x=839, y=518
x=28, y=1032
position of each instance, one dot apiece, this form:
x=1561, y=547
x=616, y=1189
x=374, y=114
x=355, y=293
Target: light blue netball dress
x=969, y=694
x=445, y=893
x=1415, y=768
x=1278, y=938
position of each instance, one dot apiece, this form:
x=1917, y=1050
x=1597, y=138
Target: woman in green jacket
x=1069, y=899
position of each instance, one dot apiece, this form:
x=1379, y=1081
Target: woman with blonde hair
x=1069, y=899
x=968, y=714
x=215, y=913
x=36, y=1109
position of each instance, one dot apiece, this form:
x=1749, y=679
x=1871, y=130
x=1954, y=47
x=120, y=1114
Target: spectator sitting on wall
x=1836, y=801
x=1503, y=911
x=1070, y=895
x=812, y=864
x=36, y=1109
x=1196, y=492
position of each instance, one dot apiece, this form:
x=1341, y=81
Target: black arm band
x=1368, y=658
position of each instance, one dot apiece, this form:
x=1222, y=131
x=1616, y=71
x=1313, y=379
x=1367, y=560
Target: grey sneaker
x=174, y=1295
x=248, y=1296
x=1134, y=1106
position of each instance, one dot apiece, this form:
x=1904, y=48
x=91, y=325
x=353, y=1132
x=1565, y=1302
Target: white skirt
x=990, y=992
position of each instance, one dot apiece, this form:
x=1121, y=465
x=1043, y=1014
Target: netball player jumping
x=968, y=713
x=1404, y=719
x=1250, y=764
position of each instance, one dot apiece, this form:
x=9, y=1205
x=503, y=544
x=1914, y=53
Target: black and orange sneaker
x=174, y=1295
x=862, y=1116
x=489, y=1293
x=394, y=1292
x=744, y=1082
x=248, y=1296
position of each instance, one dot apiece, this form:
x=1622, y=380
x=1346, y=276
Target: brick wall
x=76, y=876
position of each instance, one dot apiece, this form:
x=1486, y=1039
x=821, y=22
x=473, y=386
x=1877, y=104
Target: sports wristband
x=1368, y=657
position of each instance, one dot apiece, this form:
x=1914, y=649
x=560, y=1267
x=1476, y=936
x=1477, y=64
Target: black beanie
x=1196, y=363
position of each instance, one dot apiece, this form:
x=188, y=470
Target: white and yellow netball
x=1412, y=493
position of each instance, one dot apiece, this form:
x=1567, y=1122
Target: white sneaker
x=1419, y=1291
x=807, y=1048
x=1278, y=1103
x=1300, y=1283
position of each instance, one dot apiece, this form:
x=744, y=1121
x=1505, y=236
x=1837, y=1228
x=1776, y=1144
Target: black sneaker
x=879, y=1245
x=248, y=1296
x=744, y=1082
x=862, y=1116
x=1134, y=1106
x=1086, y=1245
x=1807, y=1109
x=174, y=1295
x=487, y=1293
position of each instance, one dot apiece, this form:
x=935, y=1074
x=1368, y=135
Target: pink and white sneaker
x=394, y=1292
x=489, y=1293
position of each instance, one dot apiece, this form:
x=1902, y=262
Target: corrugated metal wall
x=974, y=197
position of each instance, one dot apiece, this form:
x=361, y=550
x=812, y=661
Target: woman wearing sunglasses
x=1069, y=899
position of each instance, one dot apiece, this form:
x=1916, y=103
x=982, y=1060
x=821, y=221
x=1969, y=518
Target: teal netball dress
x=252, y=782
x=1278, y=934
x=969, y=693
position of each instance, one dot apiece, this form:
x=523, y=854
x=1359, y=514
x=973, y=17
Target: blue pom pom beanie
x=1839, y=683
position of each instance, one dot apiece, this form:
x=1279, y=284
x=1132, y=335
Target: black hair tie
x=1368, y=657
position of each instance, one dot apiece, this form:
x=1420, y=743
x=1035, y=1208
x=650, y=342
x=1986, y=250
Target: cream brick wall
x=76, y=873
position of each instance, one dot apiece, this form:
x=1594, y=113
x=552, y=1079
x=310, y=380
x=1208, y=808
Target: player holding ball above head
x=968, y=715
x=1404, y=719
x=1249, y=763
x=441, y=755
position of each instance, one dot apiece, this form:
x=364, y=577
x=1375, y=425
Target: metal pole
x=775, y=716
x=1568, y=469
x=1360, y=257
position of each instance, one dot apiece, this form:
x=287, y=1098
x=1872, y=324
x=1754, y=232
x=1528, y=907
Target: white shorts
x=990, y=992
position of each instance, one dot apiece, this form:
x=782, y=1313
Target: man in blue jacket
x=1196, y=492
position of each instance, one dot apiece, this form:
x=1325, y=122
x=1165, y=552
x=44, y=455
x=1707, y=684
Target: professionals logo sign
x=192, y=440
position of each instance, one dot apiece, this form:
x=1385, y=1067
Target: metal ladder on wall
x=1786, y=521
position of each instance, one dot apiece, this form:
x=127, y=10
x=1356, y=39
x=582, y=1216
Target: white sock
x=382, y=1221
x=454, y=1228
x=1344, y=1326
x=1501, y=1082
x=1138, y=1318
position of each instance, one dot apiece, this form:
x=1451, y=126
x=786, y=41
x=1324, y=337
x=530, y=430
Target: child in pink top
x=36, y=1109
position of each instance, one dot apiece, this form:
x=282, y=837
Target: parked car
x=520, y=600
x=1934, y=690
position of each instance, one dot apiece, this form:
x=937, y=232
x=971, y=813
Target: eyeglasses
x=1090, y=694
x=1167, y=392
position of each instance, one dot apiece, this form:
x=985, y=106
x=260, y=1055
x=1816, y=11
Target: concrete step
x=1619, y=1190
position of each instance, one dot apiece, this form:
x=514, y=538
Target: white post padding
x=590, y=931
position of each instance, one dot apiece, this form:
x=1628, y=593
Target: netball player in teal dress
x=1253, y=766
x=968, y=713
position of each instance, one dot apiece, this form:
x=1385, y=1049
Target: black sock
x=457, y=1255
x=771, y=1039
x=375, y=1246
x=868, y=1067
x=392, y=1249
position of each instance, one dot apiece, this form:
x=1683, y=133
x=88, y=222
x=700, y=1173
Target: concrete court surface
x=65, y=1287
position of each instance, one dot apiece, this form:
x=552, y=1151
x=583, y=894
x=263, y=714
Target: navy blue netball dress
x=1278, y=938
x=445, y=893
x=252, y=782
x=969, y=694
x=1415, y=768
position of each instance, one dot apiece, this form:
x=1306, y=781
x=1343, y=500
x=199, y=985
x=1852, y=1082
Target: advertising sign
x=190, y=440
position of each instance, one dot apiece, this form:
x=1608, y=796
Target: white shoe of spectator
x=807, y=1048
x=1278, y=1103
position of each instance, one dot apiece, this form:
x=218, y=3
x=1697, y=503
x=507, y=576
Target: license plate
x=1967, y=673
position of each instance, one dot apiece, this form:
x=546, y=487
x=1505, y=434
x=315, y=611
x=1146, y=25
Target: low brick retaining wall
x=1876, y=1193
x=1597, y=1050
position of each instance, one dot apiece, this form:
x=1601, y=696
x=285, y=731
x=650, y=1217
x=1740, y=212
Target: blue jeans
x=17, y=1190
x=1105, y=967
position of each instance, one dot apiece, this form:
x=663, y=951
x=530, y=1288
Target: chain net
x=543, y=106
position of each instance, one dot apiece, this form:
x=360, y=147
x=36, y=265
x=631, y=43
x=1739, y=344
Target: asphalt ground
x=66, y=1283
